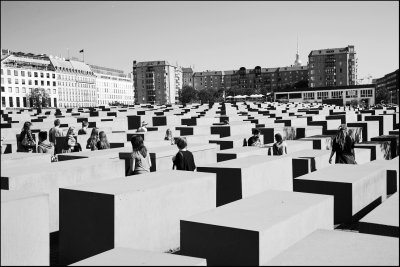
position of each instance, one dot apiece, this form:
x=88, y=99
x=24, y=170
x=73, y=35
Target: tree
x=205, y=95
x=382, y=94
x=38, y=98
x=187, y=94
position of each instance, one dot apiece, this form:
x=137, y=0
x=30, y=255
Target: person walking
x=184, y=159
x=55, y=132
x=343, y=146
x=140, y=161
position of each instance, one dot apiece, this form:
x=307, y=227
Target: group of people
x=140, y=161
x=278, y=148
x=47, y=142
x=342, y=145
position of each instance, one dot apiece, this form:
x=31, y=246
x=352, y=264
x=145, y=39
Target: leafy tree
x=38, y=98
x=205, y=95
x=187, y=94
x=382, y=94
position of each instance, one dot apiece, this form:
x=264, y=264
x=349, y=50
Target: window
x=11, y=101
x=2, y=89
x=17, y=89
x=41, y=75
x=337, y=94
x=2, y=80
x=23, y=90
x=322, y=95
x=42, y=83
x=16, y=81
x=308, y=96
x=54, y=76
x=8, y=72
x=54, y=91
x=3, y=101
x=54, y=83
x=48, y=83
x=366, y=93
x=30, y=82
x=15, y=73
x=17, y=98
x=36, y=82
x=351, y=93
x=35, y=74
x=47, y=75
x=10, y=89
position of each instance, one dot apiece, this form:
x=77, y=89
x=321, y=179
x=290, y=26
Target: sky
x=223, y=35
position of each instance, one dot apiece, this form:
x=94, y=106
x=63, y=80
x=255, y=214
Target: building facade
x=76, y=83
x=23, y=72
x=187, y=77
x=340, y=94
x=264, y=80
x=391, y=83
x=112, y=86
x=332, y=67
x=178, y=82
x=210, y=80
x=154, y=82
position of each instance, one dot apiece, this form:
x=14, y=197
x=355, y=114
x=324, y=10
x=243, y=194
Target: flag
x=81, y=51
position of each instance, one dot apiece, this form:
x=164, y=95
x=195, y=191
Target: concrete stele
x=131, y=257
x=383, y=220
x=139, y=212
x=253, y=230
x=355, y=187
x=340, y=248
x=24, y=228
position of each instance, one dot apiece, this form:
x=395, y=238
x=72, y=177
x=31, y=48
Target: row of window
x=338, y=94
x=22, y=102
x=23, y=90
x=30, y=82
x=29, y=73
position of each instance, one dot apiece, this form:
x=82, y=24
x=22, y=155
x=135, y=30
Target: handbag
x=27, y=143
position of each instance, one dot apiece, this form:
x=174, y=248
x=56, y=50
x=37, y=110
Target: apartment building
x=390, y=82
x=211, y=80
x=154, y=82
x=23, y=72
x=187, y=76
x=332, y=67
x=113, y=85
x=178, y=82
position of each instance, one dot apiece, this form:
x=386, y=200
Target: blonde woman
x=343, y=146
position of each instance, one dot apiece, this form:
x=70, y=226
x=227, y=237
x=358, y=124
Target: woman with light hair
x=71, y=144
x=343, y=146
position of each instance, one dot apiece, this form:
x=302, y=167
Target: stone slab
x=133, y=257
x=253, y=230
x=140, y=212
x=24, y=228
x=383, y=220
x=57, y=175
x=356, y=188
x=340, y=248
x=380, y=150
x=248, y=176
x=392, y=173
